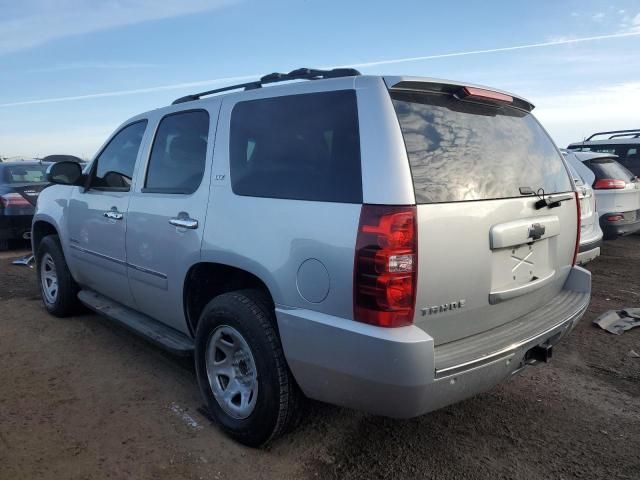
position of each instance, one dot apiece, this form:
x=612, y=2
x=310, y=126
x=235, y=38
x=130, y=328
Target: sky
x=71, y=71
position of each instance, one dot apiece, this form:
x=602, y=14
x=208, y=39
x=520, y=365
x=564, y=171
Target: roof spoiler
x=460, y=90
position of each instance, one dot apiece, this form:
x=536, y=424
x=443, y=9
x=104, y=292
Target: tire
x=64, y=302
x=275, y=396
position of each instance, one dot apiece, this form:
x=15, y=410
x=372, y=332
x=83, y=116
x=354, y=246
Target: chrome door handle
x=113, y=214
x=184, y=222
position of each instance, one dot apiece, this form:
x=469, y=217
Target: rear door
x=487, y=254
x=167, y=215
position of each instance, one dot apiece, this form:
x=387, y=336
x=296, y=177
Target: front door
x=167, y=214
x=97, y=217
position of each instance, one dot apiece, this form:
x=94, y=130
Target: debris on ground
x=617, y=321
x=26, y=261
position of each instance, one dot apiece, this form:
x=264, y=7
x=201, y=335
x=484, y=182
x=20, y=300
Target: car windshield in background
x=609, y=168
x=461, y=151
x=25, y=174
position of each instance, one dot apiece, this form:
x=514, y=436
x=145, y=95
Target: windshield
x=461, y=151
x=25, y=174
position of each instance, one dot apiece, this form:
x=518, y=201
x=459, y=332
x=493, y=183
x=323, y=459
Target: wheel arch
x=206, y=280
x=41, y=228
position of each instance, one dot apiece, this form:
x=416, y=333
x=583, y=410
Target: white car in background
x=617, y=193
x=590, y=231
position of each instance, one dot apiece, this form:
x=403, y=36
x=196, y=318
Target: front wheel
x=241, y=369
x=58, y=289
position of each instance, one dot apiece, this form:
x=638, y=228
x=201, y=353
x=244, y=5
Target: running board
x=154, y=331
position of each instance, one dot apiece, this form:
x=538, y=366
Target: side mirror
x=65, y=173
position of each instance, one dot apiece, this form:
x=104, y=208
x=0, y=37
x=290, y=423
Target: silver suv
x=390, y=244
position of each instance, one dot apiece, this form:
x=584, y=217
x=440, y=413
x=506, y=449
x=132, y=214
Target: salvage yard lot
x=83, y=399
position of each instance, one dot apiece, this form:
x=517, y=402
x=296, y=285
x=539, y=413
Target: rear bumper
x=589, y=251
x=399, y=373
x=628, y=225
x=13, y=227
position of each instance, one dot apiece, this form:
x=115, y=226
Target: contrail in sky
x=202, y=83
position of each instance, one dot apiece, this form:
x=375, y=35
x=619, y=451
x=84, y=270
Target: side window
x=178, y=155
x=114, y=166
x=304, y=147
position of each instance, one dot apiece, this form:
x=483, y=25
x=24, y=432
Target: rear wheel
x=242, y=371
x=58, y=289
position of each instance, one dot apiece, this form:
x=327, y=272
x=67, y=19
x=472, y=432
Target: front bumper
x=629, y=224
x=14, y=227
x=399, y=373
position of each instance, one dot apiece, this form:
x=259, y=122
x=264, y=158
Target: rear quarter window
x=462, y=151
x=303, y=147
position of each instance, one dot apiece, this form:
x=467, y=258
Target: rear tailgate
x=614, y=200
x=487, y=255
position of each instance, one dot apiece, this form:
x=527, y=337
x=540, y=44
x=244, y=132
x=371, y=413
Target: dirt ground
x=83, y=399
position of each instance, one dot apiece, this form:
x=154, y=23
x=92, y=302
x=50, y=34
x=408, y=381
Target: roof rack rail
x=617, y=133
x=298, y=74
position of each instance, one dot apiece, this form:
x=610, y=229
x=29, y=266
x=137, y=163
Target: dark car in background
x=20, y=184
x=625, y=144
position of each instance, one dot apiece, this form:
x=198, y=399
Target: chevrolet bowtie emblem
x=536, y=231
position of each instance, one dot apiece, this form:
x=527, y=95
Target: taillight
x=578, y=228
x=609, y=184
x=13, y=200
x=386, y=265
x=615, y=218
x=482, y=94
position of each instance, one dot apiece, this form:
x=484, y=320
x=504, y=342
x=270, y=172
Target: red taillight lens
x=13, y=200
x=578, y=228
x=609, y=184
x=386, y=263
x=615, y=218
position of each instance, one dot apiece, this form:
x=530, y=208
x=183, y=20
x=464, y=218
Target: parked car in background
x=590, y=231
x=20, y=184
x=617, y=193
x=625, y=144
x=371, y=242
x=63, y=158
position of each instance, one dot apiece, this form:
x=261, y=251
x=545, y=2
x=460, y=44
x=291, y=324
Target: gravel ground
x=83, y=399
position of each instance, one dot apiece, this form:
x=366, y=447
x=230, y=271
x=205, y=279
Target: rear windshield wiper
x=552, y=201
x=549, y=201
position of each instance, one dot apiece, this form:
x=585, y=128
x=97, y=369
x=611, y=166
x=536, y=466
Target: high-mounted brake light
x=482, y=94
x=609, y=184
x=578, y=228
x=386, y=264
x=13, y=200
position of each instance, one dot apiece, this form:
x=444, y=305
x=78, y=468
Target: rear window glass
x=304, y=147
x=627, y=155
x=25, y=174
x=461, y=151
x=178, y=155
x=609, y=168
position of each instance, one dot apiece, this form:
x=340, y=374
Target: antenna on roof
x=298, y=74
